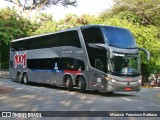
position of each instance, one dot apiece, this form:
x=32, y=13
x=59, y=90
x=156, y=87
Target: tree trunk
x=145, y=73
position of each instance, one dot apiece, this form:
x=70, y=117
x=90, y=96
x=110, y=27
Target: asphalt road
x=34, y=97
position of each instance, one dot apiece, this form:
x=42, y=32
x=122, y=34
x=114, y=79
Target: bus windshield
x=119, y=37
x=122, y=64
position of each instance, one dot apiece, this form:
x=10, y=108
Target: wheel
x=82, y=85
x=69, y=83
x=19, y=78
x=25, y=79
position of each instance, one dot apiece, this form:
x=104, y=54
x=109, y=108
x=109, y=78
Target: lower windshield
x=124, y=65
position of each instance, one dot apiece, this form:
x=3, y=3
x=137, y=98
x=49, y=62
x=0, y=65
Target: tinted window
x=72, y=39
x=97, y=57
x=54, y=40
x=71, y=64
x=92, y=35
x=34, y=43
x=58, y=39
x=56, y=63
x=118, y=37
x=19, y=45
x=69, y=38
x=42, y=63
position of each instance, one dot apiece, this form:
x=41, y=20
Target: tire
x=25, y=79
x=69, y=83
x=19, y=78
x=82, y=85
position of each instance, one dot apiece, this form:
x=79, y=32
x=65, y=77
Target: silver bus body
x=82, y=57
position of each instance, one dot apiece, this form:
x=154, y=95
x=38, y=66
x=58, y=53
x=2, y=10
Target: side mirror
x=146, y=51
x=104, y=46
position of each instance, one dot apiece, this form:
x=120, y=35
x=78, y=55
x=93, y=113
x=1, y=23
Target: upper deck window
x=69, y=38
x=92, y=35
x=119, y=37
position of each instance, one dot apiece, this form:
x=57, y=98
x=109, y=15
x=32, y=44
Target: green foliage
x=46, y=24
x=72, y=20
x=25, y=7
x=142, y=18
x=46, y=28
x=147, y=11
x=12, y=26
x=146, y=36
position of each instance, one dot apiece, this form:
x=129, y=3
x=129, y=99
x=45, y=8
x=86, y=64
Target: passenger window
x=72, y=39
x=92, y=35
x=59, y=63
x=99, y=64
x=71, y=64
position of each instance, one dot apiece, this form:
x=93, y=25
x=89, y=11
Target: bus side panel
x=54, y=77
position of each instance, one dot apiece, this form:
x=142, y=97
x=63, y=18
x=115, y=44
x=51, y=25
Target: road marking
x=126, y=99
x=155, y=99
x=158, y=95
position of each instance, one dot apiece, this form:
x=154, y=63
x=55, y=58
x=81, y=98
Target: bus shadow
x=90, y=92
x=108, y=94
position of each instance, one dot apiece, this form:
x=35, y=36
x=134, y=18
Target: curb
x=157, y=87
x=5, y=77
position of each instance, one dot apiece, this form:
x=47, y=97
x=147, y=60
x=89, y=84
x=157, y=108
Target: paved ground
x=19, y=97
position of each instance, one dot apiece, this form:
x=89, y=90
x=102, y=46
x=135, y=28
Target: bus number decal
x=20, y=59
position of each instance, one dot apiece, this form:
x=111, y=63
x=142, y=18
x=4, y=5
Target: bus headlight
x=140, y=81
x=112, y=80
x=107, y=78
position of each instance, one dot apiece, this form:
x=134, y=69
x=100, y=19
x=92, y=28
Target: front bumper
x=122, y=86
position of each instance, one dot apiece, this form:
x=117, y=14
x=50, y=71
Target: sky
x=92, y=7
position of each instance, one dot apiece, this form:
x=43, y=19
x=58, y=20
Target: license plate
x=127, y=89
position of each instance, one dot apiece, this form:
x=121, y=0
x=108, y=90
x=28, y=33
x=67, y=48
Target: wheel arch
x=64, y=77
x=25, y=72
x=19, y=72
x=77, y=79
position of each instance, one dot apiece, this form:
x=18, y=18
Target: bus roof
x=50, y=33
x=70, y=29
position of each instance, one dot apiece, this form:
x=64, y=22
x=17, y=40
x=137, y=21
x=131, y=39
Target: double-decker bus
x=94, y=57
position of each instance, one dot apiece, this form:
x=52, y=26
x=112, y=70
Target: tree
x=72, y=20
x=46, y=27
x=48, y=24
x=147, y=11
x=12, y=26
x=25, y=7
